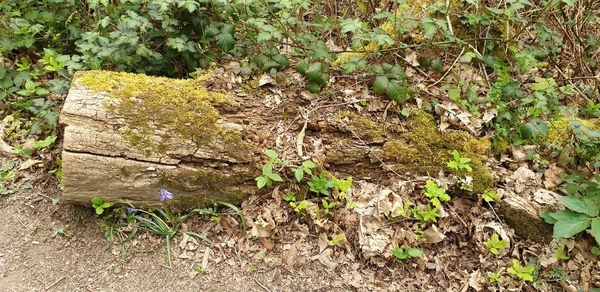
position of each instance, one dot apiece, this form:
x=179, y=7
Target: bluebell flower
x=131, y=210
x=165, y=195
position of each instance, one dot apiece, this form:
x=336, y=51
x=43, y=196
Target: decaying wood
x=522, y=215
x=98, y=160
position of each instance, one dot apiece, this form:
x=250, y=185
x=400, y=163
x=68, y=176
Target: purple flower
x=131, y=210
x=165, y=195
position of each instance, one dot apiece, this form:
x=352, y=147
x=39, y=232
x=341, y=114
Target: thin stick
x=449, y=69
x=55, y=282
x=261, y=285
x=371, y=151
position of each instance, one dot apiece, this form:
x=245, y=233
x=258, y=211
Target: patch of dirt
x=33, y=256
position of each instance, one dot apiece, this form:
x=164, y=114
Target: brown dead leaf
x=552, y=176
x=326, y=259
x=433, y=235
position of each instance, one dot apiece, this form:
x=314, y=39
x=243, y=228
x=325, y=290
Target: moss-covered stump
x=127, y=136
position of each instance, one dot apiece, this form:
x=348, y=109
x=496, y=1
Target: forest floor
x=47, y=245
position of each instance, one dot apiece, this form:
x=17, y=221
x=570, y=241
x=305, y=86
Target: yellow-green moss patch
x=178, y=108
x=424, y=149
x=559, y=133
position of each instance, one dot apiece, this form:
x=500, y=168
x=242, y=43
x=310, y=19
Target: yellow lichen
x=158, y=107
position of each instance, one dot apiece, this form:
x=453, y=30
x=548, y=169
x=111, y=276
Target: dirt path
x=34, y=257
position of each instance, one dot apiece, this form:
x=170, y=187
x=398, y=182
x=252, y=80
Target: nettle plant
x=582, y=210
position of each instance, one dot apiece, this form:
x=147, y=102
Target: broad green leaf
x=533, y=129
x=225, y=41
x=44, y=143
x=261, y=181
x=299, y=174
x=596, y=230
x=99, y=210
x=263, y=36
x=313, y=72
x=275, y=177
x=414, y=252
x=271, y=154
x=580, y=204
x=309, y=164
x=569, y=223
x=106, y=205
x=547, y=216
x=302, y=66
x=281, y=60
x=267, y=168
x=97, y=201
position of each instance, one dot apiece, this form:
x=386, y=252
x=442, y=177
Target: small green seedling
x=495, y=245
x=337, y=240
x=407, y=253
x=300, y=207
x=290, y=197
x=458, y=162
x=198, y=270
x=350, y=204
x=63, y=231
x=494, y=277
x=561, y=254
x=327, y=205
x=490, y=196
x=426, y=213
x=268, y=175
x=435, y=193
x=524, y=273
x=342, y=186
x=320, y=184
x=306, y=167
x=100, y=205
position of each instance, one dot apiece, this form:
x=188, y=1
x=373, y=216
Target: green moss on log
x=424, y=149
x=158, y=107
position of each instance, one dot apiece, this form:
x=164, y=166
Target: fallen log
x=126, y=136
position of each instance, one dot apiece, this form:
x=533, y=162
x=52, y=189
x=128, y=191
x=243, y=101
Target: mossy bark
x=127, y=136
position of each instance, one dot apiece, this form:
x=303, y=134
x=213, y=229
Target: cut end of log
x=127, y=136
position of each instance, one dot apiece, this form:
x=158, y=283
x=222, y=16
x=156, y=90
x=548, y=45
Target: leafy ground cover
x=522, y=74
